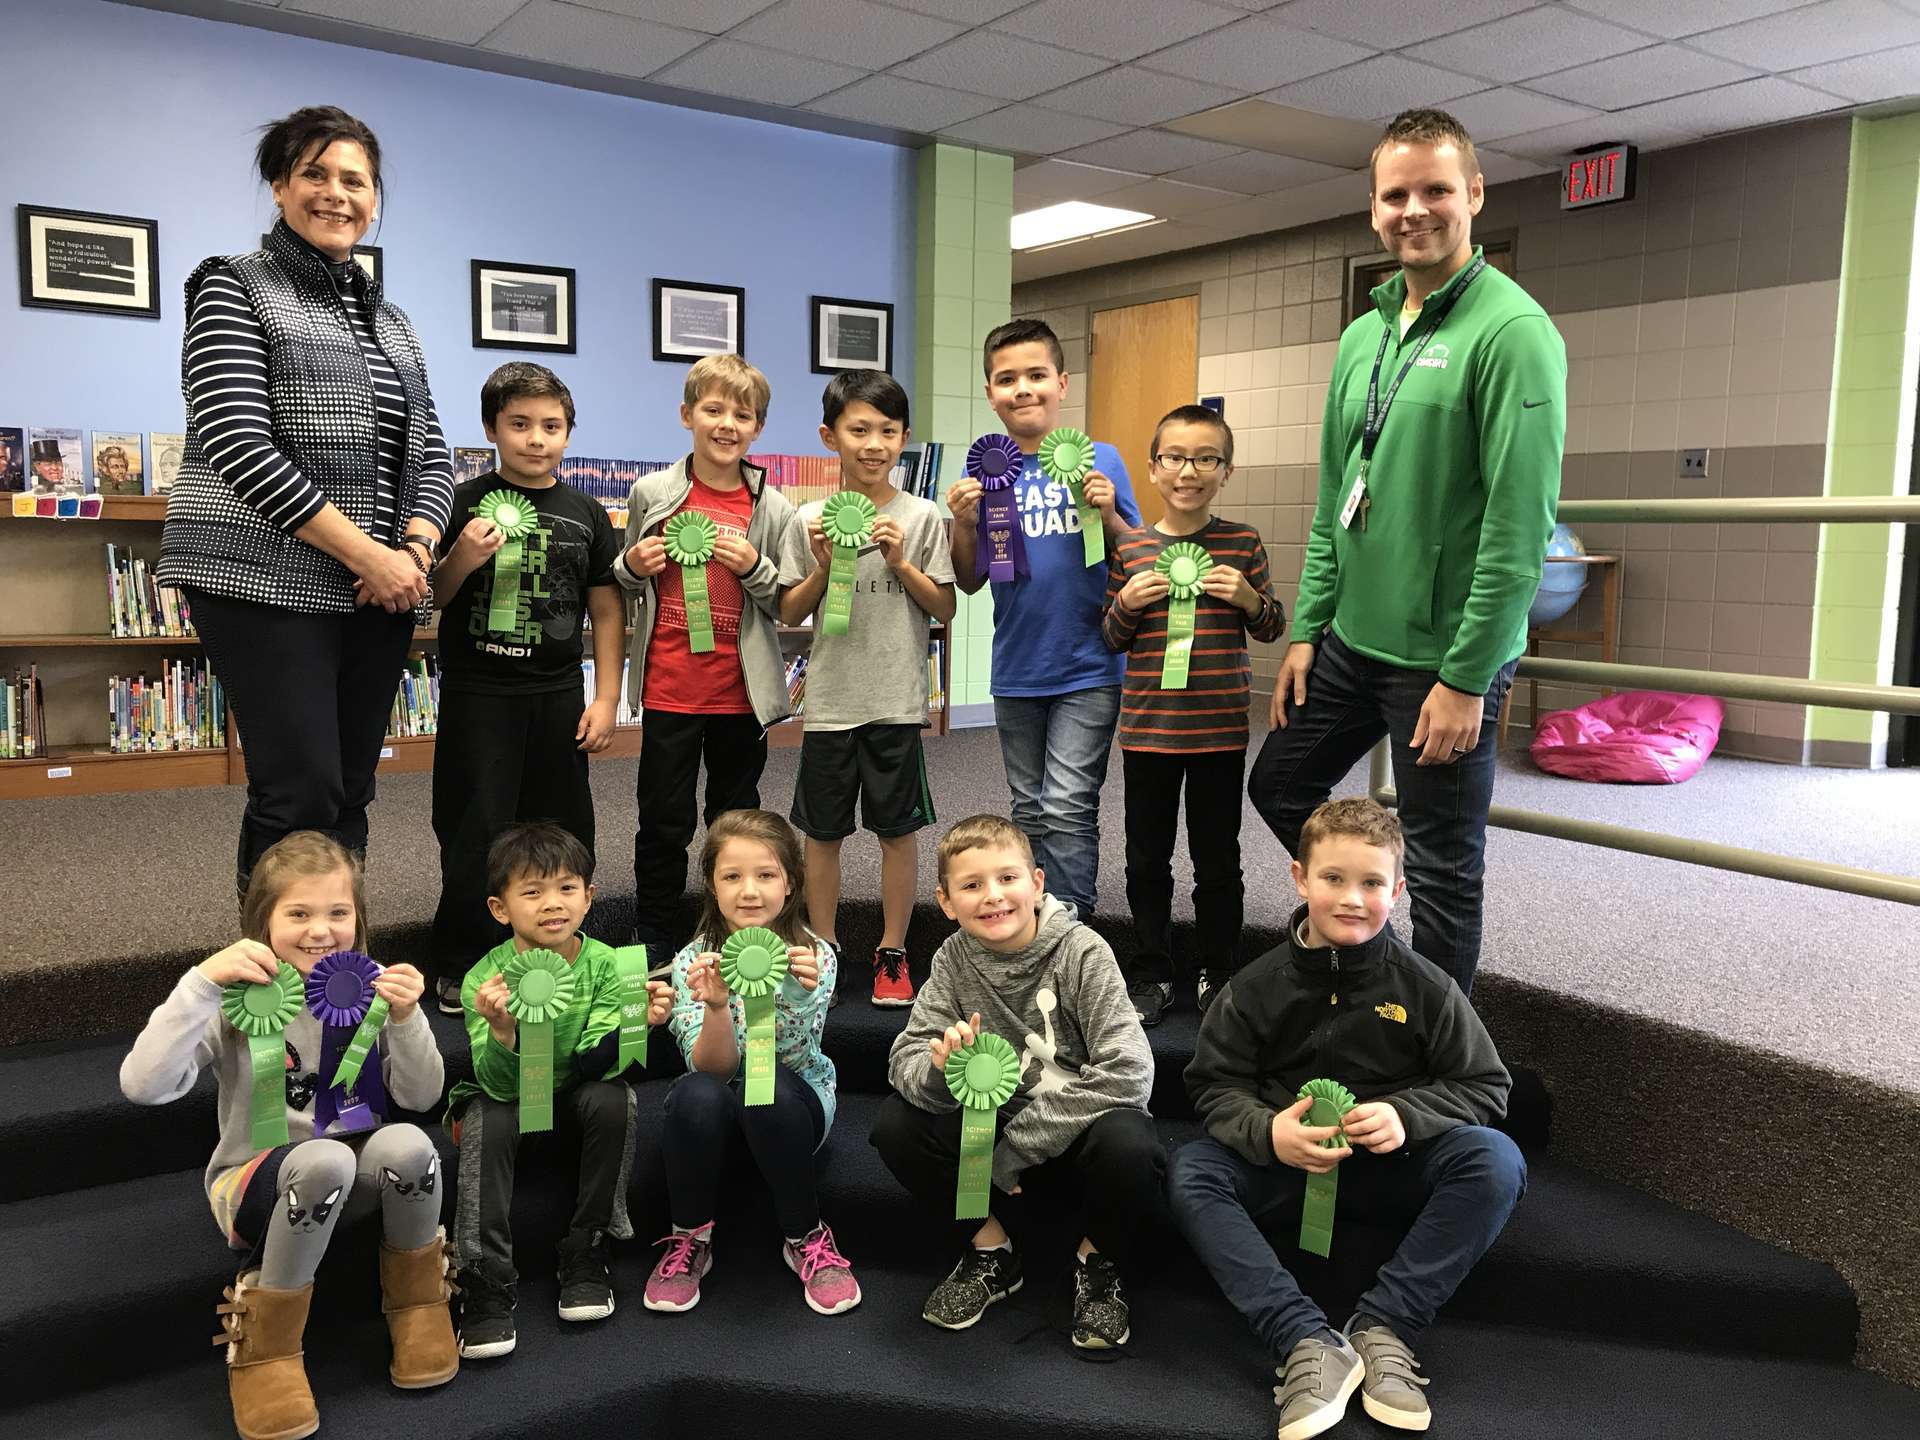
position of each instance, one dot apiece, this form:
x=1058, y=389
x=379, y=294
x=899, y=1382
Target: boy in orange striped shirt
x=1196, y=735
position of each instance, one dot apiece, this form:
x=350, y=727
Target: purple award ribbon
x=347, y=1098
x=996, y=462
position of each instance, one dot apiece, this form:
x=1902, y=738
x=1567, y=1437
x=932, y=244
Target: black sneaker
x=1099, y=1305
x=1207, y=991
x=586, y=1292
x=486, y=1314
x=1151, y=1000
x=979, y=1279
x=446, y=995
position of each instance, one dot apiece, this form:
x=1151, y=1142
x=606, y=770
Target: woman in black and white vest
x=313, y=490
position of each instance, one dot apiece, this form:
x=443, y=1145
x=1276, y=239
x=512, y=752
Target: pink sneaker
x=824, y=1272
x=675, y=1281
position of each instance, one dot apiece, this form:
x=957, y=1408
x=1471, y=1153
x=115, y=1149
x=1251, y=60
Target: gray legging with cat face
x=319, y=1181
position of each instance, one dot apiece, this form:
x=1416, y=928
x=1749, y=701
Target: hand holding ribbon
x=1330, y=1100
x=1066, y=457
x=513, y=516
x=753, y=962
x=260, y=1011
x=539, y=988
x=691, y=537
x=1184, y=564
x=996, y=462
x=847, y=517
x=982, y=1076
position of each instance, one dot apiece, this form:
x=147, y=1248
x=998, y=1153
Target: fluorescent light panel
x=1073, y=220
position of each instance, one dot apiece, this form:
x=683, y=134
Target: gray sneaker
x=1315, y=1385
x=1391, y=1392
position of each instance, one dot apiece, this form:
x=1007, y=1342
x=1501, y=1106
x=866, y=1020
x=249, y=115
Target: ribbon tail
x=536, y=1076
x=837, y=615
x=362, y=1042
x=693, y=591
x=268, y=1117
x=1180, y=626
x=1093, y=532
x=630, y=964
x=1316, y=1213
x=760, y=1058
x=503, y=611
x=1000, y=552
x=975, y=1181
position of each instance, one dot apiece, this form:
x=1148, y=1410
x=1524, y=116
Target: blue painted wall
x=476, y=165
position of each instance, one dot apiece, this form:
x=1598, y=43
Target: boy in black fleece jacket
x=1345, y=1000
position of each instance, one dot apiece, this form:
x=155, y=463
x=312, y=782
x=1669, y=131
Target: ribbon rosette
x=539, y=989
x=982, y=1077
x=513, y=516
x=690, y=537
x=753, y=962
x=1331, y=1101
x=847, y=517
x=340, y=994
x=996, y=462
x=260, y=1011
x=1066, y=456
x=1183, y=564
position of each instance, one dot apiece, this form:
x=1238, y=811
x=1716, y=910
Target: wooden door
x=1144, y=361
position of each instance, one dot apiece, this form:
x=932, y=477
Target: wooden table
x=1607, y=637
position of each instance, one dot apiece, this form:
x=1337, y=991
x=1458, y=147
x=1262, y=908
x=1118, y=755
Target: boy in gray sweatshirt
x=1024, y=969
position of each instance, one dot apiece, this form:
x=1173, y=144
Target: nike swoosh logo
x=1530, y=404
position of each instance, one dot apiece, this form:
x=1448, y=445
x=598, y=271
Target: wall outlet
x=1693, y=464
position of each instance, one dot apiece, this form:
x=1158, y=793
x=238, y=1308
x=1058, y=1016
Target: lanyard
x=1377, y=404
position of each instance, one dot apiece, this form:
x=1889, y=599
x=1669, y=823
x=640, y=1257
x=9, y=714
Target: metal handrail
x=1833, y=694
x=1821, y=509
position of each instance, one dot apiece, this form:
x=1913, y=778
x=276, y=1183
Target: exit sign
x=1597, y=177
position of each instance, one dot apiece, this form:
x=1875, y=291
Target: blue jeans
x=1457, y=1188
x=1352, y=702
x=1055, y=748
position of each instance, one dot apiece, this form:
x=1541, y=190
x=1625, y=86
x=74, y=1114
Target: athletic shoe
x=825, y=1274
x=486, y=1314
x=1099, y=1305
x=892, y=985
x=675, y=1281
x=586, y=1289
x=979, y=1279
x=446, y=994
x=1207, y=991
x=1390, y=1391
x=1319, y=1378
x=1151, y=1000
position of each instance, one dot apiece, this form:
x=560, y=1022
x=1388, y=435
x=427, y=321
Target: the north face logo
x=1434, y=357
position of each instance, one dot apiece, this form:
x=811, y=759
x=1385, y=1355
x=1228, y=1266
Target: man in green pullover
x=1439, y=478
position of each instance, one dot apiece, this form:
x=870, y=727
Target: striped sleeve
x=228, y=405
x=433, y=499
x=1135, y=550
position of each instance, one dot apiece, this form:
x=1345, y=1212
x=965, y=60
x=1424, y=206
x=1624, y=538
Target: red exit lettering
x=1598, y=178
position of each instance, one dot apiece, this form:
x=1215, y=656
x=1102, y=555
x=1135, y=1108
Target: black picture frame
x=832, y=347
x=103, y=264
x=680, y=301
x=511, y=291
x=372, y=259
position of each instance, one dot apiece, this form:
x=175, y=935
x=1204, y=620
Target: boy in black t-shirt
x=514, y=735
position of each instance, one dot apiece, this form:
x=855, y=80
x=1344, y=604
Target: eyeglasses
x=1202, y=464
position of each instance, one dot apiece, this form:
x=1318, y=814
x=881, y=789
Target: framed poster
x=523, y=307
x=75, y=260
x=851, y=335
x=691, y=320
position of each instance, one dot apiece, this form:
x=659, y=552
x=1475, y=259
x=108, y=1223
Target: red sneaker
x=892, y=985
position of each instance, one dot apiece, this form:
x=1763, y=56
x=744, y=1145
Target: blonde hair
x=732, y=377
x=303, y=855
x=762, y=827
x=1365, y=820
x=978, y=832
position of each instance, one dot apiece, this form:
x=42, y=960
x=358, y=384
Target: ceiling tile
x=1001, y=65
x=1639, y=77
x=1496, y=114
x=1368, y=21
x=1375, y=87
x=1321, y=200
x=1764, y=101
x=590, y=39
x=714, y=17
x=464, y=22
x=903, y=104
x=1497, y=165
x=1664, y=17
x=848, y=32
x=967, y=12
x=1109, y=249
x=1152, y=152
x=1889, y=75
x=1831, y=30
x=1552, y=145
x=1255, y=173
x=1170, y=199
x=1136, y=97
x=727, y=67
x=1255, y=54
x=1048, y=182
x=1535, y=42
x=1117, y=29
x=1029, y=130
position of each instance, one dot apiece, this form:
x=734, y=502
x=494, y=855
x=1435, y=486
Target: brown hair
x=1196, y=415
x=538, y=849
x=1426, y=127
x=522, y=380
x=977, y=832
x=303, y=855
x=732, y=377
x=762, y=827
x=286, y=142
x=1364, y=819
x=1027, y=330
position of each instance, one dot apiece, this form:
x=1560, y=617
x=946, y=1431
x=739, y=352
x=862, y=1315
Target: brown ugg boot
x=266, y=1374
x=414, y=1291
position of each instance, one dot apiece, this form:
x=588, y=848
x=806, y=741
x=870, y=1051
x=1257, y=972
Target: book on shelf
x=137, y=605
x=797, y=681
x=936, y=692
x=416, y=703
x=23, y=726
x=181, y=707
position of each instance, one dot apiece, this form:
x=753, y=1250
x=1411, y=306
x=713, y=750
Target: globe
x=1560, y=585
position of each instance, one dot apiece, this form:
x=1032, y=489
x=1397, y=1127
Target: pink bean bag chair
x=1642, y=737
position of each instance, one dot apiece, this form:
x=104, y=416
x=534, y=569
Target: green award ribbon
x=753, y=962
x=1331, y=1101
x=690, y=536
x=847, y=517
x=260, y=1011
x=1183, y=564
x=1066, y=457
x=539, y=989
x=513, y=516
x=630, y=964
x=982, y=1077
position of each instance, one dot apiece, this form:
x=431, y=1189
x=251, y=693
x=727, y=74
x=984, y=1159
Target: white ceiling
x=1083, y=92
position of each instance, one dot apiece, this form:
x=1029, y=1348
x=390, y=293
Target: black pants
x=1212, y=781
x=311, y=696
x=1113, y=1171
x=706, y=1116
x=671, y=748
x=598, y=1112
x=498, y=759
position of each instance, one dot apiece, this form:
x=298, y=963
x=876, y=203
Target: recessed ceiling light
x=1074, y=220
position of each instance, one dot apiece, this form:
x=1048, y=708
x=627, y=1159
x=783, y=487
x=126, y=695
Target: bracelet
x=421, y=549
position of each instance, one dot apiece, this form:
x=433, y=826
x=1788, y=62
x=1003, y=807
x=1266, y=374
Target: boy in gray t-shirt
x=866, y=696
